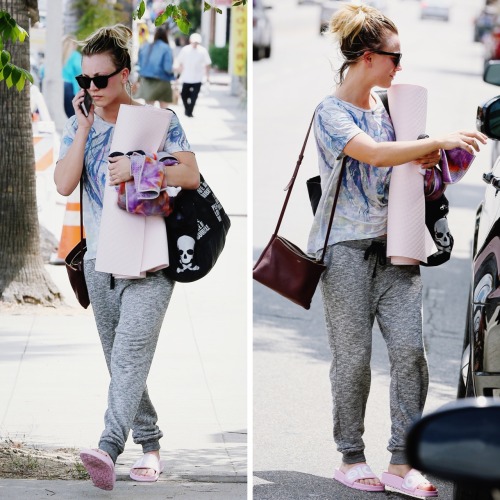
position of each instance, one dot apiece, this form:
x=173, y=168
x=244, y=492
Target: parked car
x=435, y=9
x=460, y=442
x=480, y=364
x=262, y=31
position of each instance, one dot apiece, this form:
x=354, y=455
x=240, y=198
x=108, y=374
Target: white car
x=435, y=9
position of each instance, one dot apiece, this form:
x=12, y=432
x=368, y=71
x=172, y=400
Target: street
x=294, y=453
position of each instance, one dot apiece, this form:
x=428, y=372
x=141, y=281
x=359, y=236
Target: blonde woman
x=353, y=123
x=130, y=314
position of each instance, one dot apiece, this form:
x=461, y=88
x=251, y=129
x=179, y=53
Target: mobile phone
x=87, y=102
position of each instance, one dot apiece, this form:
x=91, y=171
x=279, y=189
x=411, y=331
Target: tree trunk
x=23, y=278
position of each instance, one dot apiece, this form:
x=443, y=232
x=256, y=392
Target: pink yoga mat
x=130, y=244
x=408, y=239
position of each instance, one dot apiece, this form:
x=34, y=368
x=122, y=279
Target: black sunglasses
x=100, y=81
x=396, y=56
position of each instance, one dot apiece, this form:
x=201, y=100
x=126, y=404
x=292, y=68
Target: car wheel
x=256, y=53
x=466, y=492
x=267, y=51
x=466, y=388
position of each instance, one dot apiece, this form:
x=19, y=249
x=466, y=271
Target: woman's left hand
x=430, y=160
x=119, y=170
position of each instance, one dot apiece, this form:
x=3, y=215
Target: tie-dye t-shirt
x=362, y=204
x=96, y=154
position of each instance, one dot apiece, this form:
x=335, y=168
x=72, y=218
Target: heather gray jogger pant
x=129, y=319
x=355, y=292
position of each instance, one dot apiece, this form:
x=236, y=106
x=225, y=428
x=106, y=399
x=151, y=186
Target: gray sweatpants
x=129, y=319
x=355, y=292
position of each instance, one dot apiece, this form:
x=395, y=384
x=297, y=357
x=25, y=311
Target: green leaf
x=7, y=71
x=6, y=34
x=16, y=75
x=139, y=11
x=161, y=19
x=4, y=58
x=206, y=6
x=171, y=10
x=22, y=34
x=20, y=83
x=219, y=11
x=142, y=9
x=28, y=76
x=11, y=22
x=183, y=24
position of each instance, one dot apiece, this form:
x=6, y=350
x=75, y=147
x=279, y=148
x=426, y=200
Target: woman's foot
x=403, y=479
x=147, y=468
x=402, y=470
x=100, y=467
x=344, y=468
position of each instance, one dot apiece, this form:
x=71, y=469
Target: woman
x=130, y=315
x=155, y=68
x=353, y=123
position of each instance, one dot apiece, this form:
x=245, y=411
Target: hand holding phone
x=87, y=102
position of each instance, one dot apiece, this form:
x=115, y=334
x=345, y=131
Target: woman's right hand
x=467, y=140
x=83, y=121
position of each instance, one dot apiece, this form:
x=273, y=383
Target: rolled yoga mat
x=408, y=239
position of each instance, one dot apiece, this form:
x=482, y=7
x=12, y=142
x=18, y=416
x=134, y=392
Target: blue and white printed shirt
x=362, y=204
x=96, y=167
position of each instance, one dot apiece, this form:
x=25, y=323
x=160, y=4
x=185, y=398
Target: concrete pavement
x=54, y=378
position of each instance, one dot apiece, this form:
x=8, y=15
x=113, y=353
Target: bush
x=220, y=57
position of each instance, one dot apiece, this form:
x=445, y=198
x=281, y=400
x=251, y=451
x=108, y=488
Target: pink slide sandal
x=100, y=468
x=407, y=485
x=147, y=461
x=353, y=475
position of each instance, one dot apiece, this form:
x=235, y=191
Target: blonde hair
x=68, y=46
x=358, y=28
x=115, y=40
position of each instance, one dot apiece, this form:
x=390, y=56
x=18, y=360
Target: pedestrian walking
x=72, y=66
x=359, y=284
x=156, y=70
x=129, y=314
x=194, y=66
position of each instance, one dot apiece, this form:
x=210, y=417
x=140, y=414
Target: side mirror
x=491, y=72
x=459, y=442
x=488, y=118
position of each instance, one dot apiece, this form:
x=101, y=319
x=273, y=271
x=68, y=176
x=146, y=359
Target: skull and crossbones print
x=185, y=246
x=442, y=236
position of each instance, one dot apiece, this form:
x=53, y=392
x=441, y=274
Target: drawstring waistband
x=378, y=249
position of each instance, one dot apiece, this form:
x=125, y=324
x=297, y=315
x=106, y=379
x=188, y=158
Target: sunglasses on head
x=100, y=81
x=396, y=56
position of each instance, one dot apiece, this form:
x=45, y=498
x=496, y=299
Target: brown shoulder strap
x=81, y=208
x=290, y=185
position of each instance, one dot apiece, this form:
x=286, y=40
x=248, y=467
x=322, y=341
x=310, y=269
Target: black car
x=460, y=442
x=480, y=367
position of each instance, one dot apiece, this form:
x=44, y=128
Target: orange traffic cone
x=70, y=234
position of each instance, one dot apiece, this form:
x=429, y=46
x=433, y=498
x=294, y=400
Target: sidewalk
x=54, y=378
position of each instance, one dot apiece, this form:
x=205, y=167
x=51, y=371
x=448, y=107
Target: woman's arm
x=69, y=169
x=387, y=154
x=186, y=174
